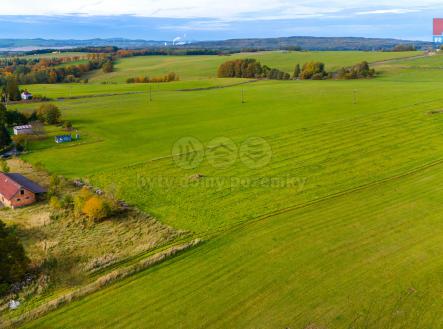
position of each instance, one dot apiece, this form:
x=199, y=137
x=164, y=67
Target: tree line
x=250, y=68
x=404, y=47
x=44, y=70
x=88, y=49
x=358, y=71
x=316, y=71
x=161, y=51
x=25, y=65
x=172, y=76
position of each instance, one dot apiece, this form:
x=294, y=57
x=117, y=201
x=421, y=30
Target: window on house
x=18, y=199
x=22, y=192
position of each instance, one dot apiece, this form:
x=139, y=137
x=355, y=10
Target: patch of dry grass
x=100, y=283
x=68, y=251
x=35, y=174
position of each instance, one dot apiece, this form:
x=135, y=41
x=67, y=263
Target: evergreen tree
x=3, y=114
x=5, y=138
x=12, y=91
x=2, y=90
x=297, y=71
x=13, y=260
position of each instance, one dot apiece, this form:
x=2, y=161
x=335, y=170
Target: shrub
x=55, y=203
x=108, y=67
x=96, y=208
x=54, y=184
x=4, y=166
x=317, y=76
x=358, y=71
x=22, y=141
x=40, y=97
x=49, y=113
x=67, y=201
x=80, y=199
x=67, y=125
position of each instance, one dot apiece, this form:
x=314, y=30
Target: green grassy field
x=366, y=259
x=349, y=236
x=69, y=90
x=205, y=67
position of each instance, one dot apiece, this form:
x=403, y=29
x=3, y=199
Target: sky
x=214, y=20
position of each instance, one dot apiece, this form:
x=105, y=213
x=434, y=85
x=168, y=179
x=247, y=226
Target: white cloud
x=387, y=11
x=223, y=10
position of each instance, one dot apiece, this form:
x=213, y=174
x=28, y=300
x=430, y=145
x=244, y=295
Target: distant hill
x=306, y=43
x=312, y=43
x=35, y=44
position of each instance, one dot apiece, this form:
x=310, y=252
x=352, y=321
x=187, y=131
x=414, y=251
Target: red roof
x=438, y=26
x=10, y=184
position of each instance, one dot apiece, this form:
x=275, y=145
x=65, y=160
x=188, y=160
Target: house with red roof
x=18, y=191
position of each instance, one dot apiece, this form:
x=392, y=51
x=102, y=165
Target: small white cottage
x=26, y=95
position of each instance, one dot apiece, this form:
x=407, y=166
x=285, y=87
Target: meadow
x=205, y=67
x=348, y=235
x=366, y=259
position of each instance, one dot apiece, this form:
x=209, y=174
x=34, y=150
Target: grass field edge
x=101, y=282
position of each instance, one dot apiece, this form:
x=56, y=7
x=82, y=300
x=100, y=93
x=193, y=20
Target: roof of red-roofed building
x=11, y=183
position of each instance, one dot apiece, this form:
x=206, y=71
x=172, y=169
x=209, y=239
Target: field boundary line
x=99, y=95
x=219, y=87
x=398, y=59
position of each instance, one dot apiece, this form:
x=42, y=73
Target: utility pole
x=242, y=96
